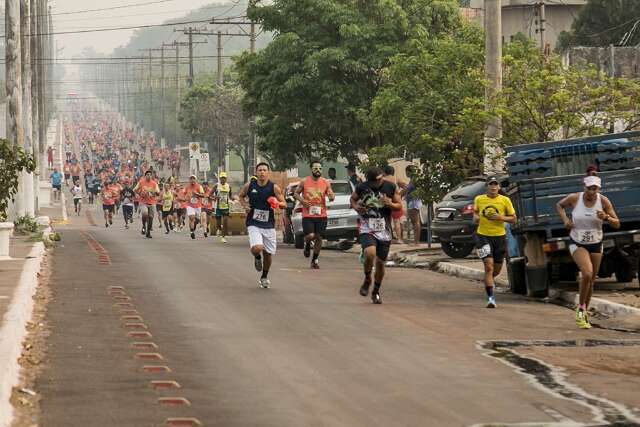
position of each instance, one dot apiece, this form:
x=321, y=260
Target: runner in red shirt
x=194, y=193
x=148, y=191
x=108, y=196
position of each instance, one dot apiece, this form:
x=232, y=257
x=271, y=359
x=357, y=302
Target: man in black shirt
x=374, y=200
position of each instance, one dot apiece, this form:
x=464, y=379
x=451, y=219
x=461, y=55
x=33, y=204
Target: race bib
x=315, y=210
x=377, y=225
x=484, y=251
x=260, y=215
x=194, y=200
x=223, y=200
x=167, y=204
x=587, y=237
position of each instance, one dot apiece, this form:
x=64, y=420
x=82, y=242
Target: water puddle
x=553, y=380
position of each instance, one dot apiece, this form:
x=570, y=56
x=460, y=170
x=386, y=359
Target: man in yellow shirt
x=490, y=212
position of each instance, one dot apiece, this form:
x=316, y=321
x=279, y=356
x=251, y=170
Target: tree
x=12, y=161
x=312, y=88
x=604, y=22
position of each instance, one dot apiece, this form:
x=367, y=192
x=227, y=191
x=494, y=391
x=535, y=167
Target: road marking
x=163, y=385
x=174, y=401
x=179, y=422
x=144, y=346
x=156, y=368
x=139, y=334
x=553, y=380
x=149, y=356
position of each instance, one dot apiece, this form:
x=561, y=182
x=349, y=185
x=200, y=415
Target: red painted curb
x=174, y=401
x=156, y=368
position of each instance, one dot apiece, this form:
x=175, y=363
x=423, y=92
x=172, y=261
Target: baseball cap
x=222, y=175
x=592, y=180
x=193, y=176
x=492, y=178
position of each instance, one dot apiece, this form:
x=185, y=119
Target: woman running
x=590, y=210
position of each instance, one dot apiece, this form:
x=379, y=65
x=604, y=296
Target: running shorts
x=491, y=247
x=382, y=246
x=222, y=212
x=109, y=208
x=314, y=226
x=265, y=237
x=57, y=187
x=193, y=211
x=592, y=248
x=166, y=214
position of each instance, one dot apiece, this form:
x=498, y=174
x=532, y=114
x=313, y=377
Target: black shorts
x=592, y=248
x=314, y=226
x=109, y=208
x=491, y=247
x=166, y=214
x=57, y=187
x=382, y=247
x=76, y=201
x=181, y=211
x=66, y=176
x=75, y=178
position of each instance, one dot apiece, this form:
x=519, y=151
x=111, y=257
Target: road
x=309, y=351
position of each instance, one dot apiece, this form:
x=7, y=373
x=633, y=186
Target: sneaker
x=110, y=222
x=126, y=226
x=375, y=297
x=364, y=289
x=106, y=224
x=307, y=249
x=581, y=320
x=315, y=264
x=148, y=236
x=166, y=232
x=491, y=302
x=258, y=263
x=264, y=283
x=193, y=235
x=205, y=234
x=223, y=240
x=143, y=232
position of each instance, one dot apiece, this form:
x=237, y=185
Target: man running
x=148, y=191
x=222, y=195
x=312, y=193
x=590, y=210
x=167, y=208
x=490, y=212
x=263, y=197
x=56, y=183
x=108, y=203
x=374, y=200
x=76, y=192
x=127, y=196
x=194, y=194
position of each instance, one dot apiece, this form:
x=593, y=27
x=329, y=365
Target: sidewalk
x=610, y=298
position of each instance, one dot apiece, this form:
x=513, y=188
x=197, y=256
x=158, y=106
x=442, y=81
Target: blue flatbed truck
x=540, y=175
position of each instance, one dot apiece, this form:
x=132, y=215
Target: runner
x=127, y=196
x=374, y=200
x=181, y=211
x=76, y=192
x=312, y=192
x=108, y=203
x=167, y=208
x=56, y=183
x=222, y=192
x=75, y=171
x=490, y=212
x=590, y=210
x=148, y=191
x=206, y=216
x=263, y=197
x=194, y=194
x=66, y=168
x=414, y=204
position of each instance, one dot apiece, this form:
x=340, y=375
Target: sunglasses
x=316, y=168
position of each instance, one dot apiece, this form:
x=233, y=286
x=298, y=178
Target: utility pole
x=33, y=41
x=190, y=57
x=162, y=106
x=542, y=18
x=42, y=53
x=493, y=155
x=27, y=123
x=220, y=77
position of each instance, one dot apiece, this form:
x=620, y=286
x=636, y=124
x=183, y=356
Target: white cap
x=592, y=180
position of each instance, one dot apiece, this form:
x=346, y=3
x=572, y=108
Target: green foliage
x=26, y=224
x=12, y=161
x=313, y=87
x=602, y=23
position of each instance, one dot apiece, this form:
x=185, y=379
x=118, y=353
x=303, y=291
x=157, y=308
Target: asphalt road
x=307, y=352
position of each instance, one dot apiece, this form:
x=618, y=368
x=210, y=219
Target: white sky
x=105, y=42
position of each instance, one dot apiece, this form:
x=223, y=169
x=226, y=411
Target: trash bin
x=537, y=281
x=517, y=276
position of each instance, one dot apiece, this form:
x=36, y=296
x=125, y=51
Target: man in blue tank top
x=260, y=197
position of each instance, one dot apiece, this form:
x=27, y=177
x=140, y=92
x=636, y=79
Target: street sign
x=204, y=164
x=194, y=150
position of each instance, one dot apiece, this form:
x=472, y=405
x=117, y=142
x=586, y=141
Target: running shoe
x=364, y=289
x=307, y=249
x=315, y=264
x=581, y=320
x=223, y=240
x=258, y=264
x=110, y=222
x=375, y=297
x=193, y=235
x=491, y=302
x=264, y=283
x=144, y=231
x=205, y=234
x=126, y=226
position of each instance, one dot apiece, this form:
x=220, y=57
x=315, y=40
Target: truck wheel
x=457, y=250
x=299, y=241
x=624, y=272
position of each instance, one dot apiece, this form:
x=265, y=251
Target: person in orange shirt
x=108, y=196
x=148, y=190
x=181, y=210
x=194, y=193
x=207, y=209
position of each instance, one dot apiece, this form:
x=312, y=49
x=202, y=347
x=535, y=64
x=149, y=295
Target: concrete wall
x=617, y=61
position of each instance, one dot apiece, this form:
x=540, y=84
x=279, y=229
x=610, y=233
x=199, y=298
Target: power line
x=111, y=8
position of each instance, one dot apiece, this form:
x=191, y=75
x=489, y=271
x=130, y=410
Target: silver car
x=342, y=221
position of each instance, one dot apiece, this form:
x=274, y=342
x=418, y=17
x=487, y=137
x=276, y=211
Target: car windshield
x=341, y=188
x=467, y=190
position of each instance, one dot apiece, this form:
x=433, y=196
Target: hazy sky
x=128, y=16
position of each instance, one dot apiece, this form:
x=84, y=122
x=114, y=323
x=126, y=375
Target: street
x=309, y=351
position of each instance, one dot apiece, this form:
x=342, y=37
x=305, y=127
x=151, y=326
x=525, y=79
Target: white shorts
x=193, y=211
x=266, y=237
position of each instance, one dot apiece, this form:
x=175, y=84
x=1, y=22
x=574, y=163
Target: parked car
x=342, y=221
x=453, y=223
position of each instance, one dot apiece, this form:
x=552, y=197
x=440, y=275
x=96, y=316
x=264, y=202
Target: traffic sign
x=203, y=163
x=194, y=150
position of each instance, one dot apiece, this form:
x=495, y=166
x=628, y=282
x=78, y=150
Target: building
x=523, y=16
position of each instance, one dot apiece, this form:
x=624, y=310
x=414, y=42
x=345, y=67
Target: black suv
x=453, y=219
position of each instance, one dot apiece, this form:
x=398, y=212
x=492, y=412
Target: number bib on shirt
x=589, y=236
x=315, y=210
x=484, y=251
x=194, y=200
x=260, y=215
x=377, y=225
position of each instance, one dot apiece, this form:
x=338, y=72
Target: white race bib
x=377, y=225
x=260, y=215
x=194, y=200
x=484, y=251
x=315, y=210
x=589, y=236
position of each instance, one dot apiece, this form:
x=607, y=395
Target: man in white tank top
x=590, y=210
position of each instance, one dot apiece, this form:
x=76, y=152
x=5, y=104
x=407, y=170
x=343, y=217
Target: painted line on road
x=554, y=381
x=174, y=401
x=182, y=422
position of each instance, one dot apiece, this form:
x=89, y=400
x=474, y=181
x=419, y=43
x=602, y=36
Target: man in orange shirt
x=108, y=195
x=194, y=193
x=148, y=190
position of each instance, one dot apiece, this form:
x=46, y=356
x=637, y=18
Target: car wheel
x=299, y=241
x=345, y=245
x=457, y=250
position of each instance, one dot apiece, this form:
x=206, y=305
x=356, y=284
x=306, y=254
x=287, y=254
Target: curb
x=465, y=272
x=13, y=330
x=602, y=305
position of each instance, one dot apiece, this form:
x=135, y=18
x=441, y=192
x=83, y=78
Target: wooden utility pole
x=493, y=155
x=27, y=123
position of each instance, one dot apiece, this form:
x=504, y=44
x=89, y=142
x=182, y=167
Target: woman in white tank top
x=590, y=210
